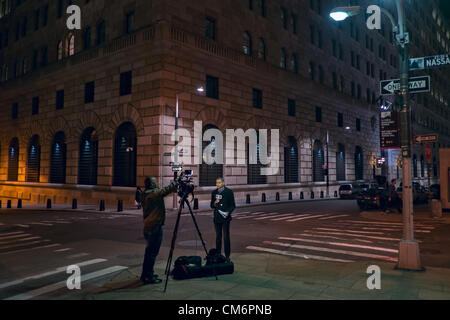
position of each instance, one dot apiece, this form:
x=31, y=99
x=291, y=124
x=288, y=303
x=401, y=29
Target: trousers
x=154, y=241
x=225, y=229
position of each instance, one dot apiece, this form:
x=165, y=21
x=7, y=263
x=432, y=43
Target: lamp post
x=199, y=90
x=409, y=255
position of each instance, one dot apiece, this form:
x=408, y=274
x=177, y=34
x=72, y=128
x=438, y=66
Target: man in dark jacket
x=154, y=212
x=222, y=201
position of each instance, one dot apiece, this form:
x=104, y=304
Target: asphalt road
x=37, y=246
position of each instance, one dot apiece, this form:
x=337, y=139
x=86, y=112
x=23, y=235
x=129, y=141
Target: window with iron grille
x=340, y=163
x=88, y=160
x=60, y=99
x=125, y=151
x=291, y=107
x=340, y=120
x=89, y=92
x=254, y=175
x=318, y=114
x=358, y=124
x=125, y=83
x=359, y=163
x=15, y=110
x=208, y=173
x=291, y=161
x=257, y=98
x=212, y=87
x=210, y=28
x=34, y=160
x=58, y=159
x=318, y=162
x=35, y=106
x=13, y=160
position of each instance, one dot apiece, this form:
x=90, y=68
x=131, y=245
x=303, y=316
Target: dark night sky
x=445, y=6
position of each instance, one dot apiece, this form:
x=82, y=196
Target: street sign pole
x=409, y=256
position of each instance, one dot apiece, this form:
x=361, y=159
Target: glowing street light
x=342, y=13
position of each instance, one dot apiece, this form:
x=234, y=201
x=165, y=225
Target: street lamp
x=199, y=90
x=409, y=256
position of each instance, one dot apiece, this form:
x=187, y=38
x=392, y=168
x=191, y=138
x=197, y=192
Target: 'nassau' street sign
x=416, y=85
x=429, y=62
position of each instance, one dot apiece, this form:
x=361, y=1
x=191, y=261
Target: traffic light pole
x=409, y=255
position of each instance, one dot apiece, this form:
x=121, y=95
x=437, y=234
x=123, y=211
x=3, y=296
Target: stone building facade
x=89, y=113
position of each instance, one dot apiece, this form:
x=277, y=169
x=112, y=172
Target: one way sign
x=416, y=85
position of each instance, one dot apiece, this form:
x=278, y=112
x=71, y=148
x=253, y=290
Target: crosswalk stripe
x=311, y=217
x=79, y=255
x=30, y=249
x=320, y=249
x=15, y=236
x=58, y=222
x=10, y=233
x=341, y=244
x=356, y=235
x=329, y=237
x=49, y=273
x=296, y=254
x=261, y=214
x=2, y=224
x=333, y=217
x=393, y=224
x=274, y=215
x=351, y=231
x=284, y=218
x=19, y=240
x=42, y=224
x=63, y=284
x=22, y=225
x=63, y=250
x=23, y=244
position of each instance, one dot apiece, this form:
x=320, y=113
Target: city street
x=36, y=246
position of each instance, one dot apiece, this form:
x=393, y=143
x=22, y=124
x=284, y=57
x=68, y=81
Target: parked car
x=376, y=198
x=349, y=191
x=366, y=186
x=419, y=193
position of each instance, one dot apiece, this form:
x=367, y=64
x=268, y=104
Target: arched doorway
x=340, y=162
x=318, y=162
x=291, y=161
x=125, y=151
x=359, y=165
x=34, y=160
x=13, y=160
x=209, y=173
x=87, y=168
x=58, y=158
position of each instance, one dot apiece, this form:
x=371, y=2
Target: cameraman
x=222, y=201
x=154, y=213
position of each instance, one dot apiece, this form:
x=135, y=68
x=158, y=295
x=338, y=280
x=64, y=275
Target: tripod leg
x=172, y=247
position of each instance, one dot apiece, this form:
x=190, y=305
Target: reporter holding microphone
x=222, y=201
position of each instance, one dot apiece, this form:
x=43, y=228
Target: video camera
x=185, y=180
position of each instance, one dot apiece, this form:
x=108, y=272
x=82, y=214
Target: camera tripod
x=183, y=201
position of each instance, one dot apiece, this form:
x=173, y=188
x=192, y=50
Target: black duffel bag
x=187, y=267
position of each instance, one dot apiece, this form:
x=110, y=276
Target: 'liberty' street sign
x=416, y=85
x=429, y=62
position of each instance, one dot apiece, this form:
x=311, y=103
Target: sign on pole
x=426, y=138
x=428, y=152
x=429, y=62
x=389, y=130
x=416, y=85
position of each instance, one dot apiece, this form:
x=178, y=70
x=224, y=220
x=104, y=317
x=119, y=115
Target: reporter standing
x=222, y=201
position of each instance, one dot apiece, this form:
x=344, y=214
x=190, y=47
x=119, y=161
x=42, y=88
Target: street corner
x=127, y=279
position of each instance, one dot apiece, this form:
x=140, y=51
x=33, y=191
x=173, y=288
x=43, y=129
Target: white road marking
x=15, y=236
x=22, y=225
x=262, y=214
x=333, y=217
x=284, y=218
x=23, y=244
x=351, y=231
x=19, y=240
x=53, y=287
x=2, y=224
x=311, y=217
x=29, y=249
x=79, y=255
x=58, y=222
x=356, y=235
x=274, y=215
x=10, y=233
x=296, y=254
x=393, y=224
x=49, y=273
x=320, y=249
x=63, y=250
x=329, y=237
x=341, y=244
x=42, y=224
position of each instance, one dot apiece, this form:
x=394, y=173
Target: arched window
x=318, y=162
x=101, y=32
x=247, y=43
x=422, y=166
x=58, y=159
x=293, y=64
x=262, y=7
x=60, y=50
x=415, y=166
x=87, y=168
x=34, y=160
x=340, y=162
x=262, y=49
x=125, y=145
x=87, y=38
x=283, y=58
x=13, y=160
x=284, y=18
x=254, y=175
x=359, y=166
x=291, y=161
x=208, y=173
x=70, y=45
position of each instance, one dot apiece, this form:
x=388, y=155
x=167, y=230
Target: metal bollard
x=335, y=194
x=8, y=204
x=49, y=203
x=19, y=204
x=321, y=194
x=312, y=194
x=74, y=204
x=301, y=196
x=102, y=205
x=263, y=199
x=290, y=195
x=277, y=197
x=248, y=199
x=119, y=205
x=195, y=204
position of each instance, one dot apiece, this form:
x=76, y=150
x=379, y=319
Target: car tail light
x=376, y=198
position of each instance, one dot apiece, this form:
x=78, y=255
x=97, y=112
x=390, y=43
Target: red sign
x=428, y=153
